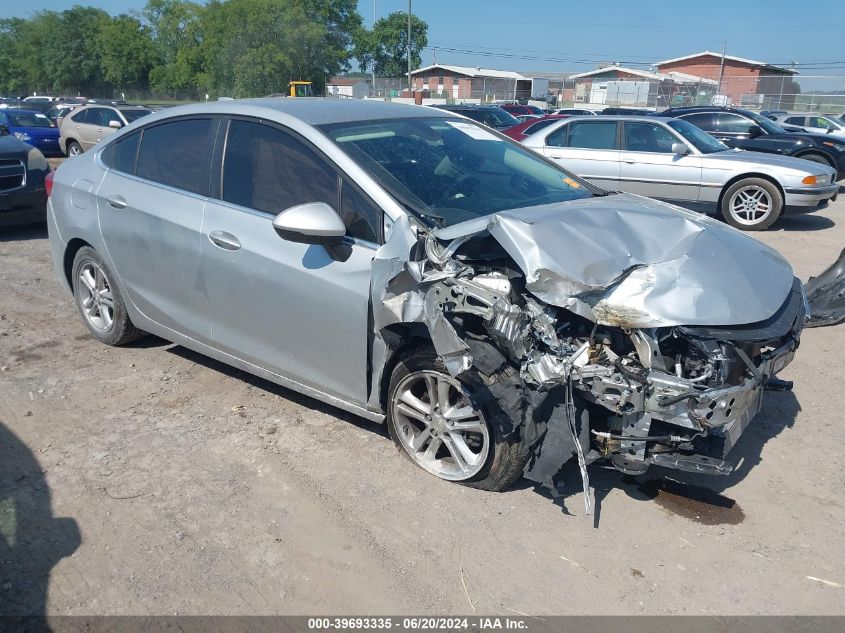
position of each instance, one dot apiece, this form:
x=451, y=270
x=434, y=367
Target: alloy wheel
x=438, y=427
x=750, y=205
x=95, y=296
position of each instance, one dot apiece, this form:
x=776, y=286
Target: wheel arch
x=71, y=250
x=746, y=176
x=816, y=151
x=401, y=339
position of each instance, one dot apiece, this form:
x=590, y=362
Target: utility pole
x=374, y=63
x=722, y=68
x=410, y=89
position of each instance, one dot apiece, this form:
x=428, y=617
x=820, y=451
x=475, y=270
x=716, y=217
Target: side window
x=592, y=134
x=174, y=154
x=795, y=120
x=818, y=121
x=557, y=138
x=647, y=137
x=538, y=126
x=701, y=120
x=121, y=156
x=269, y=170
x=81, y=116
x=361, y=217
x=733, y=123
x=95, y=117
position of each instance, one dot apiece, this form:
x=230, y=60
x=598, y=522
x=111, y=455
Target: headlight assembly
x=23, y=136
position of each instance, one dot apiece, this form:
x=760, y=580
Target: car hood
x=627, y=261
x=11, y=147
x=768, y=160
x=37, y=132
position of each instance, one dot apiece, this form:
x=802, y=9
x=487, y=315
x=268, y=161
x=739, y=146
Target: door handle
x=630, y=162
x=116, y=202
x=224, y=240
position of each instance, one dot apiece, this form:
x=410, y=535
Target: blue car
x=33, y=128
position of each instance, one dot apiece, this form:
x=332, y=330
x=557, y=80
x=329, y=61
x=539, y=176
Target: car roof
x=621, y=117
x=310, y=110
x=23, y=111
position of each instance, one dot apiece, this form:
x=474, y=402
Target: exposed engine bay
x=587, y=381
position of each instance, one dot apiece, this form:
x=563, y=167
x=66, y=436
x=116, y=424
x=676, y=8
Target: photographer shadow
x=32, y=540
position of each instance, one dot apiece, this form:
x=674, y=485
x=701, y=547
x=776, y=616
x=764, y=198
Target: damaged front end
x=629, y=357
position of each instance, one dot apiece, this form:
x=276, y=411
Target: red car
x=521, y=131
x=523, y=110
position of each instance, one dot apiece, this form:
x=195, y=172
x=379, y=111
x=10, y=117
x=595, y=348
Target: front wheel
x=431, y=420
x=818, y=158
x=752, y=204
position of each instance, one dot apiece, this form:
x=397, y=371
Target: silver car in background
x=672, y=160
x=410, y=265
x=814, y=122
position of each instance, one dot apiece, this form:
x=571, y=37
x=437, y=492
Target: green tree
x=127, y=52
x=385, y=47
x=176, y=29
x=254, y=47
x=70, y=54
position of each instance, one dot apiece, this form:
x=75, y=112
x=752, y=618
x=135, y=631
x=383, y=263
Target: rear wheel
x=431, y=420
x=752, y=204
x=73, y=148
x=99, y=301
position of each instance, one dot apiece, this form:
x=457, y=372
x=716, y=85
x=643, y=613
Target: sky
x=557, y=36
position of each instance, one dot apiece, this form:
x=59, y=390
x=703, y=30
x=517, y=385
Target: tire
x=818, y=158
x=493, y=463
x=73, y=149
x=752, y=204
x=99, y=301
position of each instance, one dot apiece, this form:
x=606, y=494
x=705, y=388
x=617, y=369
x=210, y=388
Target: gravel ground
x=151, y=480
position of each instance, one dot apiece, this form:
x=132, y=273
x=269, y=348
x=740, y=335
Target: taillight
x=48, y=183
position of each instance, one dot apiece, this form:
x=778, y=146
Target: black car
x=626, y=111
x=748, y=130
x=23, y=170
x=491, y=116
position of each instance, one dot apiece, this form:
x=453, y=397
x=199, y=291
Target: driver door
x=298, y=310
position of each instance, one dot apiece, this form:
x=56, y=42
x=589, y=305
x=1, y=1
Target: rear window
x=175, y=154
x=122, y=154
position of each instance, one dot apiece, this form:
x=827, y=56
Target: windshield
x=503, y=118
x=132, y=115
x=28, y=119
x=767, y=124
x=535, y=110
x=449, y=170
x=697, y=137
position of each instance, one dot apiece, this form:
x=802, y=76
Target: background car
x=23, y=172
x=626, y=111
x=748, y=130
x=672, y=160
x=576, y=112
x=815, y=123
x=489, y=115
x=520, y=111
x=33, y=128
x=772, y=114
x=88, y=125
x=526, y=128
x=59, y=111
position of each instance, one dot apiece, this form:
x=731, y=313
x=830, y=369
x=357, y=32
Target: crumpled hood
x=627, y=261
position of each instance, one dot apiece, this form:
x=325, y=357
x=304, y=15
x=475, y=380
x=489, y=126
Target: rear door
x=297, y=310
x=587, y=148
x=151, y=204
x=650, y=168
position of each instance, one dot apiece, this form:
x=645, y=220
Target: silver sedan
x=672, y=160
x=406, y=264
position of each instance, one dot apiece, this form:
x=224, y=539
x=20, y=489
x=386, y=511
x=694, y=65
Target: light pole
x=410, y=89
x=373, y=62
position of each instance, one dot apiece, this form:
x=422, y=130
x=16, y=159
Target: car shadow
x=32, y=540
x=271, y=387
x=803, y=222
x=691, y=495
x=25, y=232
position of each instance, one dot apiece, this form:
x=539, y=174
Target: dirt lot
x=150, y=480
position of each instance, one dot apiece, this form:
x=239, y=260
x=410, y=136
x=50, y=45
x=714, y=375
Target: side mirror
x=681, y=149
x=831, y=129
x=754, y=131
x=310, y=223
x=114, y=124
